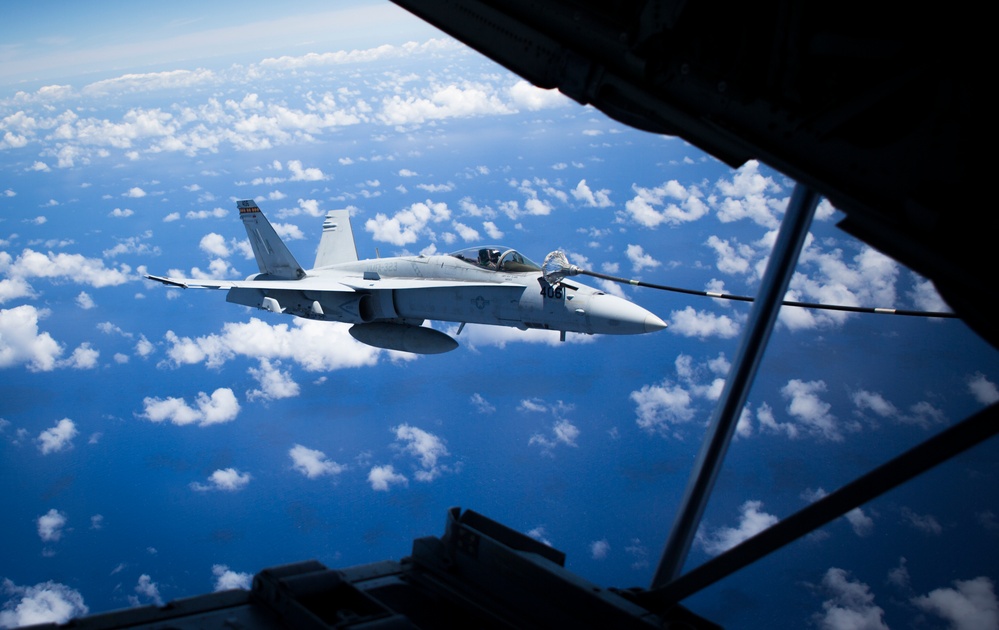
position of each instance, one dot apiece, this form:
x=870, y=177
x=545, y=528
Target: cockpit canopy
x=497, y=258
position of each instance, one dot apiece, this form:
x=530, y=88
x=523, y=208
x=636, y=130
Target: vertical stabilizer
x=337, y=243
x=272, y=255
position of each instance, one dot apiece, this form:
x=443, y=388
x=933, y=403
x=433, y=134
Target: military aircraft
x=388, y=299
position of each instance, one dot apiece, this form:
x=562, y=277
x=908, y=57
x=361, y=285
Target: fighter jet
x=388, y=299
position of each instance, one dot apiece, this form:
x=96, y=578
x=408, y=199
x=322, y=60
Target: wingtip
x=166, y=281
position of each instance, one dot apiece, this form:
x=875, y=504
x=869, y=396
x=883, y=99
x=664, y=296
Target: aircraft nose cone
x=653, y=323
x=609, y=314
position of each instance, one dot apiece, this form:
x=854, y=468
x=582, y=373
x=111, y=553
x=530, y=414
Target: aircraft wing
x=305, y=284
x=313, y=283
x=403, y=284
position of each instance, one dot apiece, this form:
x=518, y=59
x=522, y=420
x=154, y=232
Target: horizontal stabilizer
x=273, y=257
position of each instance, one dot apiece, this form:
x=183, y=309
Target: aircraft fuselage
x=471, y=295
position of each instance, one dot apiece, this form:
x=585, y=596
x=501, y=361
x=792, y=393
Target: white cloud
x=407, y=226
x=598, y=199
x=769, y=424
x=875, y=402
x=926, y=523
x=426, y=447
x=227, y=479
x=147, y=590
x=221, y=406
x=217, y=213
x=144, y=347
x=493, y=231
x=984, y=390
x=13, y=288
x=50, y=525
x=315, y=346
x=214, y=244
x=752, y=520
x=84, y=301
x=660, y=408
x=439, y=102
x=861, y=523
x=83, y=358
x=925, y=297
x=599, y=549
x=899, y=576
x=481, y=404
x=748, y=204
x=227, y=579
x=970, y=605
x=811, y=412
x=850, y=606
x=46, y=602
x=467, y=234
x=383, y=477
x=868, y=279
x=58, y=438
x=639, y=259
x=644, y=207
x=274, y=383
x=67, y=267
x=702, y=324
x=530, y=97
x=922, y=414
x=135, y=193
x=732, y=258
x=562, y=432
x=300, y=174
x=313, y=463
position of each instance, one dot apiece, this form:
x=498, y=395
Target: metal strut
x=776, y=278
x=917, y=460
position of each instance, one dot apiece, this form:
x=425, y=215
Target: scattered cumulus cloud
x=220, y=407
x=426, y=447
x=926, y=523
x=703, y=324
x=984, y=390
x=146, y=591
x=969, y=605
x=591, y=198
x=813, y=415
x=382, y=478
x=661, y=408
x=46, y=602
x=850, y=604
x=752, y=521
x=315, y=346
x=274, y=382
x=227, y=480
x=313, y=463
x=226, y=579
x=481, y=404
x=50, y=525
x=58, y=438
x=84, y=301
x=599, y=549
x=407, y=226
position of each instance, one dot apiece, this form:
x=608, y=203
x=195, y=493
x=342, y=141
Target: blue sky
x=159, y=444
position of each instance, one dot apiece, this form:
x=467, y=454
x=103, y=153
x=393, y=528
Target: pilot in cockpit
x=489, y=258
